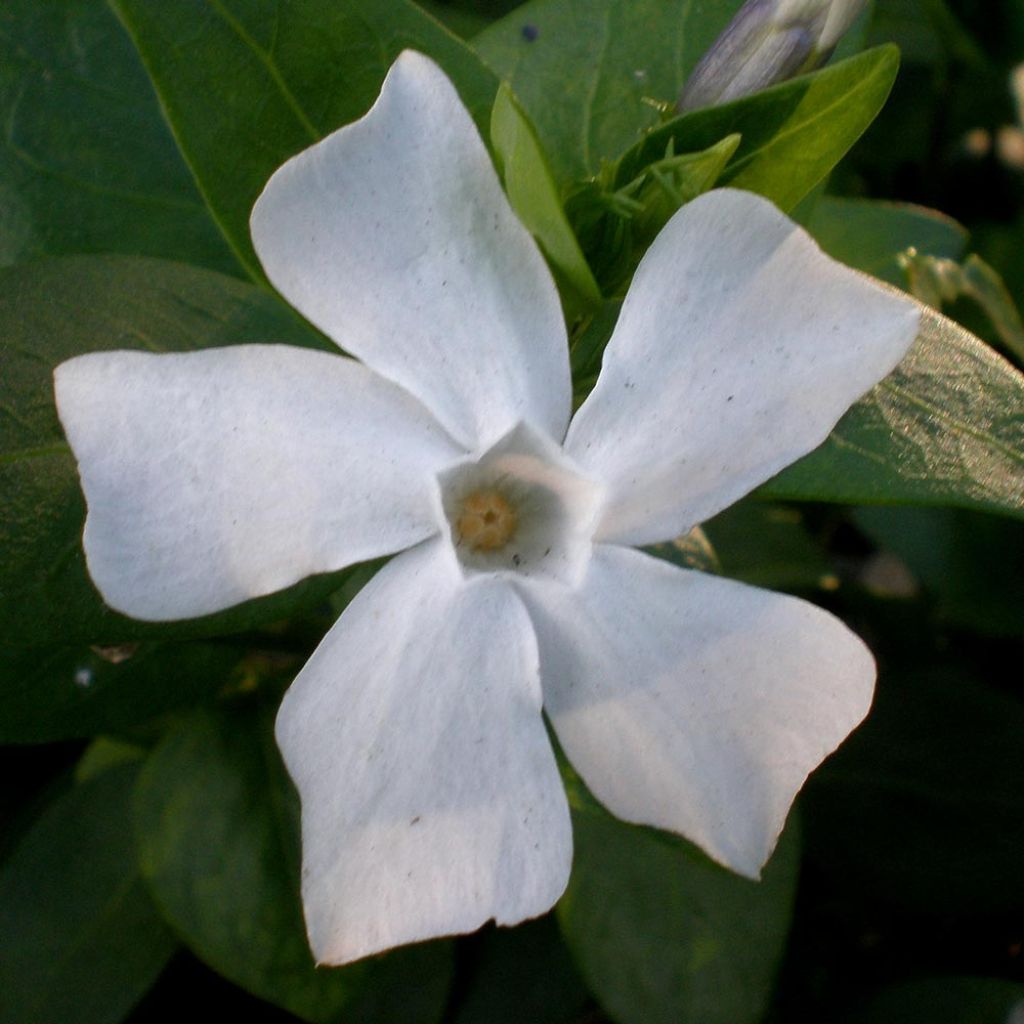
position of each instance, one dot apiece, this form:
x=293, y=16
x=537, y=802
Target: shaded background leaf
x=55, y=693
x=88, y=940
x=523, y=974
x=968, y=563
x=662, y=934
x=945, y=1001
x=870, y=235
x=218, y=828
x=922, y=806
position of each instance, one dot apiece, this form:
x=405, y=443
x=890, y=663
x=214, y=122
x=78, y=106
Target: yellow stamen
x=487, y=521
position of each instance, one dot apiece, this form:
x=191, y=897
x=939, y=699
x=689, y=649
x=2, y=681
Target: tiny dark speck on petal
x=530, y=33
x=730, y=398
x=415, y=820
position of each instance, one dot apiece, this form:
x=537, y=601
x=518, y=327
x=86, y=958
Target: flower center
x=519, y=507
x=487, y=521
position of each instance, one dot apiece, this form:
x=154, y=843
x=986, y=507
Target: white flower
x=431, y=798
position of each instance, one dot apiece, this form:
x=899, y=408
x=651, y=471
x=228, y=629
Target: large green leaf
x=53, y=693
x=82, y=940
x=583, y=68
x=248, y=83
x=792, y=134
x=217, y=821
x=50, y=311
x=945, y=428
x=87, y=162
x=663, y=935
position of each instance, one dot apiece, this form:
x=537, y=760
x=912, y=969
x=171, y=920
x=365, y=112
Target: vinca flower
x=431, y=798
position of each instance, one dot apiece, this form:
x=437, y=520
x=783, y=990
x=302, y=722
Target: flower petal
x=216, y=476
x=394, y=237
x=693, y=703
x=738, y=348
x=431, y=801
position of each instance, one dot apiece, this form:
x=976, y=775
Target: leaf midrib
x=270, y=65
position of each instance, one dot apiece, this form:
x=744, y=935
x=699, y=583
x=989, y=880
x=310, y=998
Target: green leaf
x=938, y=281
x=217, y=821
x=464, y=23
x=50, y=311
x=945, y=428
x=616, y=225
x=583, y=68
x=247, y=85
x=871, y=235
x=83, y=941
x=87, y=162
x=663, y=935
x=103, y=754
x=56, y=693
x=534, y=196
x=793, y=134
x=587, y=346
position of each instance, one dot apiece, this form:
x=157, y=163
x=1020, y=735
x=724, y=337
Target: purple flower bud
x=767, y=42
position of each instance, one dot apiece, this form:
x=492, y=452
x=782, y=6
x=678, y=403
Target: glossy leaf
x=55, y=309
x=87, y=163
x=54, y=693
x=663, y=935
x=89, y=942
x=792, y=134
x=583, y=68
x=534, y=195
x=247, y=85
x=218, y=829
x=945, y=428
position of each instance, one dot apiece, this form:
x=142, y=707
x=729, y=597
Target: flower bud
x=766, y=42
